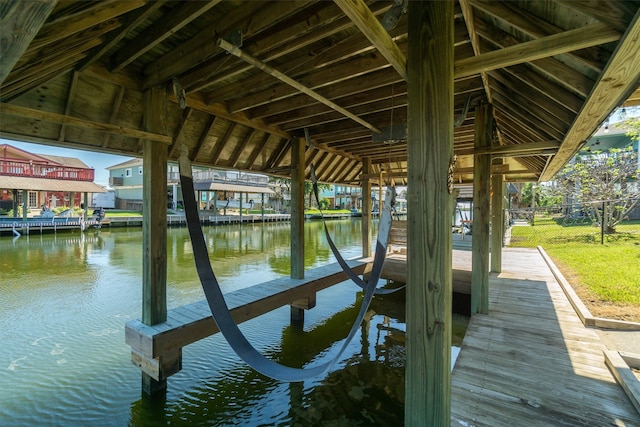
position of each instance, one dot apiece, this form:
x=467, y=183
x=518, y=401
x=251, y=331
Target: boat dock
x=9, y=226
x=18, y=227
x=531, y=361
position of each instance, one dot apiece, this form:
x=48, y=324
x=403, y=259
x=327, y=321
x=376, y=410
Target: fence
x=601, y=222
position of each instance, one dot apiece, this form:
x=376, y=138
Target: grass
x=606, y=276
x=326, y=211
x=122, y=213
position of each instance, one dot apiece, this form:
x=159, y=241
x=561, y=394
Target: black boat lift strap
x=390, y=199
x=220, y=311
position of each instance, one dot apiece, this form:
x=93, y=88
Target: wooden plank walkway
x=189, y=323
x=530, y=361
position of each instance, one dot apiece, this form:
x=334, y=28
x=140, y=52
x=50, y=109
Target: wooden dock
x=531, y=361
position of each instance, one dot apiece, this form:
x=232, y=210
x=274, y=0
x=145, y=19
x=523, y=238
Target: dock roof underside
x=74, y=73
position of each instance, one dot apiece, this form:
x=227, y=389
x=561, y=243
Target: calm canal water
x=63, y=362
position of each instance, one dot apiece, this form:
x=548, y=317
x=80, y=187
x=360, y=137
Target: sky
x=97, y=161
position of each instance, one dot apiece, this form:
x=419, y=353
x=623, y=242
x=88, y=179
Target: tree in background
x=604, y=184
x=308, y=191
x=544, y=194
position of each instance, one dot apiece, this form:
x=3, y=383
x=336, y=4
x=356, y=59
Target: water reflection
x=64, y=362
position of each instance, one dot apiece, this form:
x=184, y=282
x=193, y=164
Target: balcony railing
x=37, y=170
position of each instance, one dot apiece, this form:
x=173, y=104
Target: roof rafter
x=616, y=83
x=568, y=41
x=154, y=35
x=370, y=26
x=23, y=20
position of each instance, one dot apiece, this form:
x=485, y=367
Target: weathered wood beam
x=256, y=150
x=29, y=113
x=292, y=118
x=285, y=41
x=481, y=211
x=319, y=162
x=282, y=154
x=67, y=109
x=14, y=90
x=615, y=16
x=200, y=47
x=186, y=114
x=195, y=101
x=324, y=77
x=297, y=208
x=370, y=26
x=618, y=81
x=429, y=245
x=286, y=79
x=469, y=20
x=514, y=149
x=72, y=47
x=354, y=172
x=335, y=168
x=211, y=121
x=133, y=21
x=115, y=109
x=215, y=154
x=158, y=32
x=341, y=91
x=94, y=14
x=531, y=26
x=551, y=68
x=19, y=23
x=311, y=155
x=374, y=106
x=497, y=220
x=275, y=154
x=568, y=41
x=633, y=100
x=154, y=223
x=366, y=209
x=533, y=123
x=324, y=164
x=237, y=151
x=533, y=99
x=545, y=87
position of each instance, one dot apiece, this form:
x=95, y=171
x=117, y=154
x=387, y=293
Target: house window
x=127, y=172
x=33, y=199
x=139, y=170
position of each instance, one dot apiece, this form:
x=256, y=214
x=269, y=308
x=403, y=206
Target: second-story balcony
x=30, y=169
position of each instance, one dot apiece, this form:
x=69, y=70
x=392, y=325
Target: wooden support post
x=15, y=203
x=481, y=210
x=298, y=308
x=366, y=208
x=429, y=245
x=297, y=208
x=497, y=221
x=25, y=204
x=86, y=206
x=154, y=225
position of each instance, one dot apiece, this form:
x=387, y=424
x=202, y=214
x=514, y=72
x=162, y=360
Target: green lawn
x=122, y=213
x=610, y=271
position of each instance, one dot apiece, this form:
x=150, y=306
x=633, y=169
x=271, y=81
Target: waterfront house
x=36, y=181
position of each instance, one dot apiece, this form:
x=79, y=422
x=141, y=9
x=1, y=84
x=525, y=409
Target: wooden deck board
x=530, y=361
x=189, y=323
